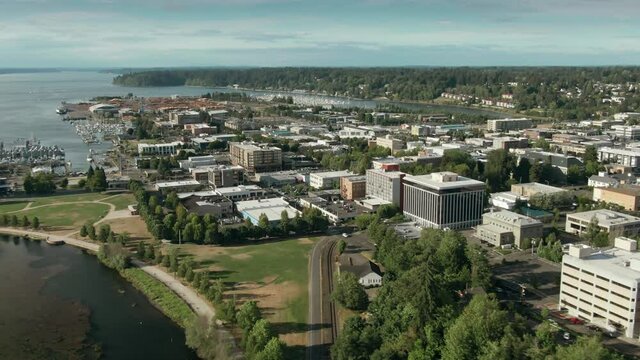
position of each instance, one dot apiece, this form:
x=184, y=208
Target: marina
x=30, y=152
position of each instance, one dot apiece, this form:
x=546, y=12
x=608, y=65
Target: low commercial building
x=353, y=187
x=205, y=143
x=627, y=132
x=178, y=186
x=194, y=162
x=272, y=208
x=611, y=221
x=560, y=161
x=159, y=149
x=443, y=200
x=348, y=132
x=626, y=157
x=242, y=192
x=422, y=130
x=506, y=227
x=506, y=200
x=327, y=180
x=200, y=129
x=602, y=286
x=503, y=125
x=602, y=181
x=627, y=196
x=118, y=183
x=218, y=206
x=506, y=143
x=527, y=190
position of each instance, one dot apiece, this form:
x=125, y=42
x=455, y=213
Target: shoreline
x=193, y=300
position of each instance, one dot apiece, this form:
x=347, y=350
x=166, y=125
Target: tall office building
x=443, y=200
x=255, y=158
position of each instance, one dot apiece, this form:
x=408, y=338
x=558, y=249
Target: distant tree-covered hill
x=568, y=92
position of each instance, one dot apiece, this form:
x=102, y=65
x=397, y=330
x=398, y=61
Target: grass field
x=121, y=201
x=275, y=274
x=166, y=300
x=13, y=206
x=54, y=199
x=66, y=215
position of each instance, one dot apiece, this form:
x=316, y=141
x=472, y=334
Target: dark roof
x=358, y=265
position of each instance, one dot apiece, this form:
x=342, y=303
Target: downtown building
x=255, y=158
x=443, y=200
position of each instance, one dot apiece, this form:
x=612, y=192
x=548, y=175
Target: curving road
x=321, y=320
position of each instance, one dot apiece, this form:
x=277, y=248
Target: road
x=322, y=314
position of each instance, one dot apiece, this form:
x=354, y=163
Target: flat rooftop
x=177, y=183
x=432, y=181
x=612, y=263
x=332, y=174
x=237, y=189
x=604, y=217
x=272, y=208
x=511, y=217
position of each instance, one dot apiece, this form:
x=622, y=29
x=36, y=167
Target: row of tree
x=14, y=221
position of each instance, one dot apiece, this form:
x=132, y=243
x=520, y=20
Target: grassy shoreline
x=163, y=298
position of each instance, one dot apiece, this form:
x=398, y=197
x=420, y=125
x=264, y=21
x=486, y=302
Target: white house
x=368, y=273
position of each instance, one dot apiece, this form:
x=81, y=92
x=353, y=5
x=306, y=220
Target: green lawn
x=278, y=262
x=121, y=201
x=12, y=206
x=160, y=295
x=73, y=215
x=67, y=198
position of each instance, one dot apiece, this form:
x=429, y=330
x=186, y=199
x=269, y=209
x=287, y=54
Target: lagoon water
x=28, y=102
x=57, y=302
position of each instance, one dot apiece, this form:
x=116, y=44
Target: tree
x=14, y=221
x=25, y=221
x=228, y=311
x=83, y=231
x=500, y=165
x=341, y=246
x=274, y=350
x=284, y=222
x=258, y=337
x=248, y=314
x=595, y=235
x=35, y=223
x=103, y=232
x=263, y=224
x=576, y=175
x=521, y=174
x=64, y=183
x=349, y=292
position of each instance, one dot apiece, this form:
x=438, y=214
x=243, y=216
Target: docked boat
x=61, y=110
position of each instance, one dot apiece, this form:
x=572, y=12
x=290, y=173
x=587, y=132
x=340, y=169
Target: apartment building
x=627, y=196
x=506, y=227
x=503, y=125
x=255, y=158
x=390, y=143
x=327, y=180
x=626, y=157
x=611, y=221
x=225, y=176
x=385, y=185
x=353, y=187
x=601, y=286
x=443, y=200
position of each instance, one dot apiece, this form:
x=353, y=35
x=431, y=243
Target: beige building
x=601, y=286
x=327, y=179
x=390, y=143
x=506, y=227
x=353, y=187
x=529, y=189
x=255, y=158
x=503, y=125
x=385, y=185
x=611, y=221
x=628, y=196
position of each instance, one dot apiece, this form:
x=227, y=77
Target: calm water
x=58, y=303
x=28, y=103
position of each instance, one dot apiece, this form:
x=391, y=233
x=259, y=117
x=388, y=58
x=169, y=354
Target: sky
x=164, y=33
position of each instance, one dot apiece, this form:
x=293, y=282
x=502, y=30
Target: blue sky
x=141, y=33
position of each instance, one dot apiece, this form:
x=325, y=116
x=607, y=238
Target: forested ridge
x=566, y=92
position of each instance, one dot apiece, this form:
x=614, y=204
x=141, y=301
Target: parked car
x=576, y=321
x=345, y=235
x=566, y=336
